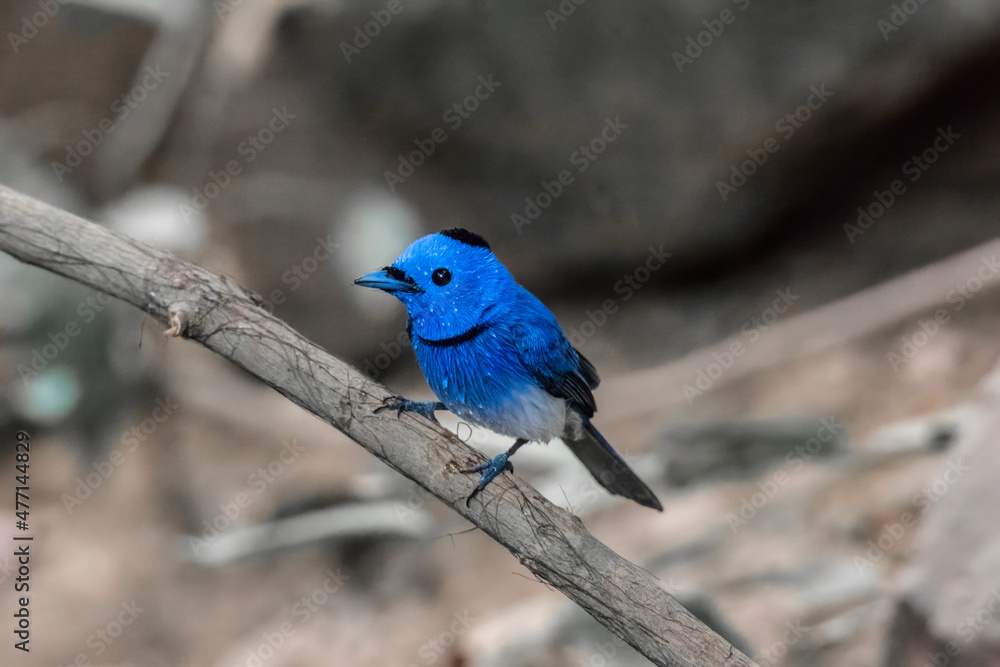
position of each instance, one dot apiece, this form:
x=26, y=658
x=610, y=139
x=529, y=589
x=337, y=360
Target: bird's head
x=447, y=281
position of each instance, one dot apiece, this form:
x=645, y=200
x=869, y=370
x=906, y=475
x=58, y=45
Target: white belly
x=534, y=414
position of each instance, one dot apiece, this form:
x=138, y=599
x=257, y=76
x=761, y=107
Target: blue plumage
x=496, y=356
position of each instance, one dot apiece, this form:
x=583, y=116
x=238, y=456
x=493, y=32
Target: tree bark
x=228, y=319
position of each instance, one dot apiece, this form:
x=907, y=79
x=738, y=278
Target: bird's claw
x=401, y=405
x=397, y=403
x=490, y=471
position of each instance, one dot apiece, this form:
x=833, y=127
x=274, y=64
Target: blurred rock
x=949, y=603
x=687, y=115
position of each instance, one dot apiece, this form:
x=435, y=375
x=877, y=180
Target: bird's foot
x=490, y=471
x=401, y=405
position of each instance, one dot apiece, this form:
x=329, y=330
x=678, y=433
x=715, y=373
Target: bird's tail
x=607, y=467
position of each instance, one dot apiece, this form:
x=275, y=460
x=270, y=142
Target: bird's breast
x=484, y=382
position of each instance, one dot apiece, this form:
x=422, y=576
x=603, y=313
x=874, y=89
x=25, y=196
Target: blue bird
x=495, y=356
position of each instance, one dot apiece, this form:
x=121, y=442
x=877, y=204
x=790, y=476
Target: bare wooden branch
x=221, y=315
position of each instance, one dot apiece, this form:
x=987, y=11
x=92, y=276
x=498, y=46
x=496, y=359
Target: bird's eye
x=441, y=277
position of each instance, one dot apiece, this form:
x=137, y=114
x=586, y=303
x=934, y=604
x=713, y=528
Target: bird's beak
x=389, y=279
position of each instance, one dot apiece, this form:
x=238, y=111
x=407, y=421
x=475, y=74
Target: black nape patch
x=466, y=237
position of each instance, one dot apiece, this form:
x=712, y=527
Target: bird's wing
x=552, y=361
x=562, y=371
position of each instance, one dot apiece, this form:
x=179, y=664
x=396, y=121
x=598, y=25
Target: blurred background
x=771, y=226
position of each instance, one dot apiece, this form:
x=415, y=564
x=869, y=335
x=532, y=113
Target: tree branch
x=224, y=317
